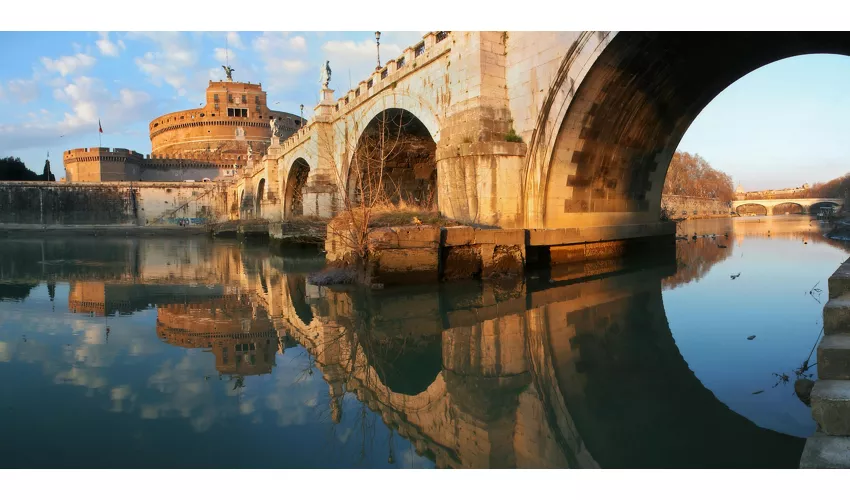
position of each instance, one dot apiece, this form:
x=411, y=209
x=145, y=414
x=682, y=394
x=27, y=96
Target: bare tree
x=380, y=179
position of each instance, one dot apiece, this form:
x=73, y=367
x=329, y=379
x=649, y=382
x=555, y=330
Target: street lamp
x=301, y=122
x=378, y=44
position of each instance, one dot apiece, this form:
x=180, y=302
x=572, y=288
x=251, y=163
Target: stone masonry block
x=839, y=282
x=831, y=406
x=836, y=315
x=834, y=357
x=826, y=452
x=459, y=236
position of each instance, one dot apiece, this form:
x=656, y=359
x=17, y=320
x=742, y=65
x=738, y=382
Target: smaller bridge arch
x=751, y=209
x=296, y=180
x=789, y=208
x=260, y=196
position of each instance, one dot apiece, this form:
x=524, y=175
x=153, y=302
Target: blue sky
x=782, y=125
x=54, y=86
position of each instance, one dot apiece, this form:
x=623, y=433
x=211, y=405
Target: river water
x=194, y=353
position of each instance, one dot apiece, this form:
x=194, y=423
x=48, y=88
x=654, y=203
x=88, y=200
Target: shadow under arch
x=295, y=183
x=615, y=130
x=788, y=208
x=261, y=194
x=822, y=204
x=751, y=209
x=393, y=160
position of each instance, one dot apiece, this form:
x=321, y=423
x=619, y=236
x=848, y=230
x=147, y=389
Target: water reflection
x=172, y=340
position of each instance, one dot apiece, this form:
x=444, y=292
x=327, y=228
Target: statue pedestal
x=325, y=108
x=275, y=141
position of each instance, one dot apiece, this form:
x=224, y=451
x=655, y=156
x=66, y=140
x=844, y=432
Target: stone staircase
x=830, y=446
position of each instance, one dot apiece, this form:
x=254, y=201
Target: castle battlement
x=78, y=154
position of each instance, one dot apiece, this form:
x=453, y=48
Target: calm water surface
x=193, y=353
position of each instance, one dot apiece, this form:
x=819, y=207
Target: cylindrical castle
x=236, y=114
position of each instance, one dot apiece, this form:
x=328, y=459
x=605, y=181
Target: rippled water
x=193, y=353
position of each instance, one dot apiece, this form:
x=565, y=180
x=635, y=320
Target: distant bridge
x=807, y=205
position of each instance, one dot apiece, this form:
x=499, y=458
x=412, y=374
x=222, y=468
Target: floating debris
x=751, y=337
x=758, y=392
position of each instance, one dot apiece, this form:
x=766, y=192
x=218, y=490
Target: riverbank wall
x=429, y=254
x=690, y=207
x=111, y=204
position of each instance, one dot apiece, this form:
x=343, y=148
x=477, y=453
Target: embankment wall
x=112, y=203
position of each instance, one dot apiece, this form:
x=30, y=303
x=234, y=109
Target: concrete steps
x=829, y=448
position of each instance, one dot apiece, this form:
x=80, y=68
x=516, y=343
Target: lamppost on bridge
x=378, y=46
x=301, y=122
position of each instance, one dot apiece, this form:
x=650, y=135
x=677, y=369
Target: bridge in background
x=779, y=206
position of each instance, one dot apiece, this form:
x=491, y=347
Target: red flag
x=99, y=128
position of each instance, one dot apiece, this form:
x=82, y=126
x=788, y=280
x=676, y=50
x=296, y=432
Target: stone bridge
x=780, y=206
x=544, y=130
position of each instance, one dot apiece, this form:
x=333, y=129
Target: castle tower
x=235, y=114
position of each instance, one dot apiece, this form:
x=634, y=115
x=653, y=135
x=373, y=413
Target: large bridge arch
x=608, y=146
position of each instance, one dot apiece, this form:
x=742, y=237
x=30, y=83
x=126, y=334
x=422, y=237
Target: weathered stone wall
x=111, y=203
x=681, y=207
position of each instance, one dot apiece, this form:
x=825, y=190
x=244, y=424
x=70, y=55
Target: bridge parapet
x=433, y=46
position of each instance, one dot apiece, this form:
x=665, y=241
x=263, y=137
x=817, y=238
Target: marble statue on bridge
x=326, y=74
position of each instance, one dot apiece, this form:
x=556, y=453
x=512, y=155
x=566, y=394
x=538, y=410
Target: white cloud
x=234, y=40
x=67, y=65
x=298, y=43
x=23, y=90
x=87, y=100
x=175, y=61
x=107, y=47
x=223, y=56
x=281, y=64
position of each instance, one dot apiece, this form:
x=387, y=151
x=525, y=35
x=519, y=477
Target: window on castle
x=215, y=97
x=441, y=35
x=229, y=98
x=399, y=63
x=357, y=92
x=216, y=107
x=237, y=112
x=384, y=73
x=419, y=50
x=369, y=84
x=244, y=99
x=257, y=100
